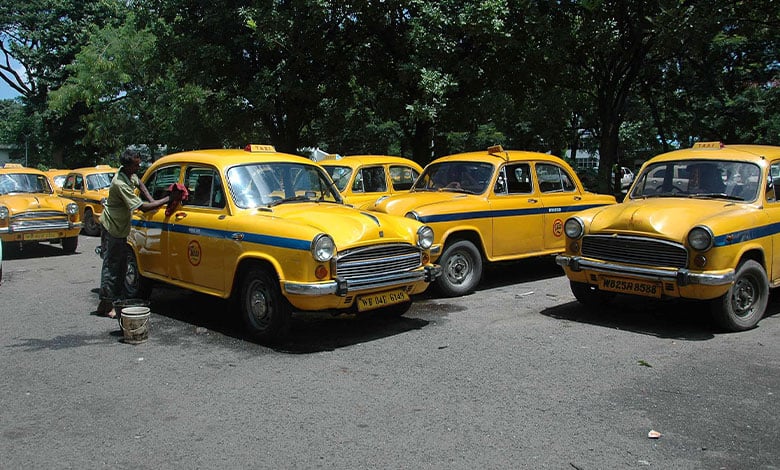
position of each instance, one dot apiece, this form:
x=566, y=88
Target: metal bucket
x=133, y=315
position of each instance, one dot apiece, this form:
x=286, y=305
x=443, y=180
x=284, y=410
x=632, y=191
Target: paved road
x=517, y=375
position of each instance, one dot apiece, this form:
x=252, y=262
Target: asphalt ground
x=516, y=375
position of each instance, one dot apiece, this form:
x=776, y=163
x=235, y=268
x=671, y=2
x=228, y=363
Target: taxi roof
x=357, y=160
x=718, y=151
x=223, y=158
x=94, y=169
x=498, y=154
x=21, y=169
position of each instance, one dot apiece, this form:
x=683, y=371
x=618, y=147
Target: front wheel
x=263, y=309
x=461, y=265
x=590, y=296
x=70, y=244
x=744, y=304
x=136, y=286
x=91, y=225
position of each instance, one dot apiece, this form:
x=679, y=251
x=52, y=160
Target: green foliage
x=417, y=78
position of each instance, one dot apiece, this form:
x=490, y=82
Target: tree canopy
x=417, y=78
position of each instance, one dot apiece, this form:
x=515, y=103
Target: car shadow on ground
x=675, y=319
x=309, y=332
x=12, y=251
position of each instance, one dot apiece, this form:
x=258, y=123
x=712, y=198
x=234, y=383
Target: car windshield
x=457, y=176
x=99, y=181
x=699, y=179
x=24, y=183
x=270, y=184
x=340, y=175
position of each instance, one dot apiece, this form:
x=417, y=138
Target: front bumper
x=683, y=277
x=343, y=287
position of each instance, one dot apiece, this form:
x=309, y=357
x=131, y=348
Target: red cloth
x=179, y=193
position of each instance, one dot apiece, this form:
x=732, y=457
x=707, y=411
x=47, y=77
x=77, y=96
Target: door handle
x=532, y=200
x=180, y=215
x=577, y=198
x=237, y=236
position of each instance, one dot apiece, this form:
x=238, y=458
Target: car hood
x=670, y=218
x=19, y=203
x=420, y=202
x=349, y=226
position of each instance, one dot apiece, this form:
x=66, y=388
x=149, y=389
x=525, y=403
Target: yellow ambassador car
x=492, y=205
x=362, y=179
x=269, y=230
x=699, y=223
x=88, y=187
x=31, y=212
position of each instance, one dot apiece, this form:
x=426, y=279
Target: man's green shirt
x=120, y=204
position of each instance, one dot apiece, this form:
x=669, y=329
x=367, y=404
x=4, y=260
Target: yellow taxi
x=88, y=187
x=493, y=205
x=362, y=179
x=57, y=178
x=31, y=212
x=270, y=230
x=699, y=223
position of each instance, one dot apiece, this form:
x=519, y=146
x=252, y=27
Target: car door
x=560, y=197
x=517, y=212
x=370, y=183
x=197, y=231
x=771, y=193
x=150, y=229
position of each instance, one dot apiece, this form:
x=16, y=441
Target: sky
x=6, y=92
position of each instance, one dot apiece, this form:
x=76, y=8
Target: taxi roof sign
x=259, y=148
x=13, y=165
x=493, y=149
x=708, y=145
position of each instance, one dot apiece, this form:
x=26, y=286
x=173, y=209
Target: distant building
x=584, y=159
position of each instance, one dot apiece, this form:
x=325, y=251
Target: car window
x=266, y=184
x=772, y=181
x=340, y=175
x=370, y=180
x=79, y=184
x=24, y=183
x=699, y=178
x=99, y=181
x=204, y=187
x=403, y=177
x=459, y=176
x=159, y=182
x=69, y=182
x=553, y=178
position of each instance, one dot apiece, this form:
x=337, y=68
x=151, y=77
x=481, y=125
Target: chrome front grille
x=635, y=250
x=373, y=261
x=44, y=220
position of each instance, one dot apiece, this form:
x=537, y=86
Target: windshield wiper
x=288, y=199
x=458, y=190
x=717, y=196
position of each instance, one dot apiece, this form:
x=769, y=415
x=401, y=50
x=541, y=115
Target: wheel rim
x=458, y=268
x=89, y=222
x=257, y=305
x=744, y=297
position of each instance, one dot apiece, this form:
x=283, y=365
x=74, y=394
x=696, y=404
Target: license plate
x=40, y=235
x=381, y=299
x=630, y=286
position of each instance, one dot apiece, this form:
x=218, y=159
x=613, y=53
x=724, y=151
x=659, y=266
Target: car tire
x=69, y=244
x=461, y=265
x=590, y=296
x=744, y=304
x=396, y=310
x=136, y=285
x=264, y=311
x=91, y=226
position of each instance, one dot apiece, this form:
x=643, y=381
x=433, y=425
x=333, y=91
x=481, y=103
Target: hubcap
x=744, y=297
x=258, y=304
x=458, y=268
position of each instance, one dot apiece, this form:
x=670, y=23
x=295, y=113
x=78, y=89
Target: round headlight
x=424, y=237
x=3, y=212
x=72, y=208
x=323, y=247
x=574, y=227
x=700, y=238
x=412, y=215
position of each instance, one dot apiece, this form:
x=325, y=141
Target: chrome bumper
x=42, y=226
x=343, y=286
x=682, y=277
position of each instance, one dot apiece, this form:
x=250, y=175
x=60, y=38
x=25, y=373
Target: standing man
x=115, y=223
